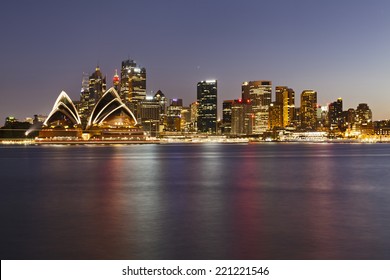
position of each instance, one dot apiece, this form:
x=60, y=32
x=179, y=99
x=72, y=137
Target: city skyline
x=337, y=49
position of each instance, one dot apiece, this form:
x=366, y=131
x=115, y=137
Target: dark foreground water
x=268, y=201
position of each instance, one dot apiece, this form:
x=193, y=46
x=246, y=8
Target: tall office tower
x=97, y=85
x=279, y=94
x=227, y=116
x=116, y=82
x=242, y=118
x=83, y=107
x=185, y=120
x=133, y=85
x=174, y=115
x=286, y=97
x=275, y=115
x=150, y=112
x=260, y=93
x=194, y=115
x=245, y=87
x=207, y=106
x=335, y=114
x=309, y=109
x=160, y=97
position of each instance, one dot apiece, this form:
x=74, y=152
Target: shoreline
x=31, y=142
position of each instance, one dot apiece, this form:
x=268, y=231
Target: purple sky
x=339, y=48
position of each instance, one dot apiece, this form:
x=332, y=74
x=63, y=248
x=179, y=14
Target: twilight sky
x=338, y=48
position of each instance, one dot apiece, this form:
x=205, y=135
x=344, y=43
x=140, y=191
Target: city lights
x=124, y=111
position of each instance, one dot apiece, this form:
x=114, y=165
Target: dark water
x=268, y=201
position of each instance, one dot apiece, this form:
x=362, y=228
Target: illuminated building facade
x=350, y=117
x=111, y=112
x=275, y=115
x=363, y=113
x=286, y=97
x=111, y=118
x=260, y=93
x=150, y=114
x=116, y=82
x=308, y=110
x=382, y=128
x=97, y=86
x=84, y=104
x=132, y=84
x=227, y=116
x=185, y=119
x=363, y=119
x=322, y=118
x=194, y=115
x=174, y=115
x=63, y=120
x=335, y=114
x=207, y=106
x=242, y=118
x=162, y=100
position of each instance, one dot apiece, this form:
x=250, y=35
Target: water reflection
x=280, y=201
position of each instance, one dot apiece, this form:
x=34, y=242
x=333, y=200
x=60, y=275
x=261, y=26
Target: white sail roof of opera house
x=109, y=105
x=63, y=107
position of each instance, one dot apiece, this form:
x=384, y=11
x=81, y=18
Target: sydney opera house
x=110, y=119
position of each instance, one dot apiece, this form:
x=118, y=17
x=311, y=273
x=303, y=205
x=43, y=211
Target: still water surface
x=268, y=201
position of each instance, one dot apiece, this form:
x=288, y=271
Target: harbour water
x=195, y=201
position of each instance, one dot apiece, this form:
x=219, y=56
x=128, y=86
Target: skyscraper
x=245, y=87
x=286, y=98
x=242, y=118
x=160, y=97
x=227, y=116
x=335, y=114
x=260, y=93
x=92, y=89
x=275, y=115
x=132, y=85
x=97, y=86
x=174, y=115
x=309, y=109
x=150, y=112
x=194, y=115
x=83, y=107
x=116, y=81
x=207, y=106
